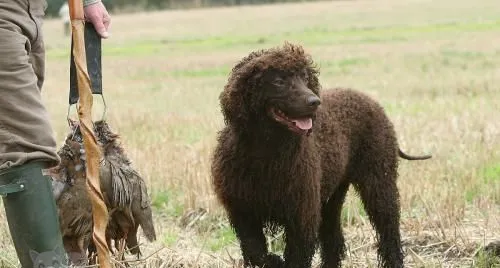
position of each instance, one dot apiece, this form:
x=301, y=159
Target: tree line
x=117, y=5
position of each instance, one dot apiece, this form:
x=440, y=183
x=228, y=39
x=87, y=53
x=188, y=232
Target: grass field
x=433, y=65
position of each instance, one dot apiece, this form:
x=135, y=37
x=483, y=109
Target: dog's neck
x=272, y=139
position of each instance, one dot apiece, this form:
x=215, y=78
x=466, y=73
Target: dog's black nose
x=313, y=101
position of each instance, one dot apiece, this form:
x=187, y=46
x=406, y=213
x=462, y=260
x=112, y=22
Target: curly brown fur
x=285, y=159
x=493, y=248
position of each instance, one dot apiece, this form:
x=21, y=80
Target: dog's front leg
x=249, y=231
x=300, y=244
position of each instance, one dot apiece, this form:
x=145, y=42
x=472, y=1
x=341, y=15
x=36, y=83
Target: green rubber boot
x=32, y=216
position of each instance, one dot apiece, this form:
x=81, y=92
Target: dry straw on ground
x=434, y=66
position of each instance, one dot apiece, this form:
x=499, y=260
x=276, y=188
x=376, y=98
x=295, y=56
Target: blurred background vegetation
x=142, y=5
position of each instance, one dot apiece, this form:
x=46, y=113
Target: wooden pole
x=92, y=150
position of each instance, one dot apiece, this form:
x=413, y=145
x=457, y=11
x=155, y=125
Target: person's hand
x=98, y=15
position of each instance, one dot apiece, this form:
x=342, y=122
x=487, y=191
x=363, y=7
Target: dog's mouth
x=299, y=124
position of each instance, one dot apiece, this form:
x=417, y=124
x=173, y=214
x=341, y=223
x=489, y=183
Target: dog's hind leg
x=330, y=234
x=380, y=196
x=249, y=232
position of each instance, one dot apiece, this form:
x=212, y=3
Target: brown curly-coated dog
x=286, y=158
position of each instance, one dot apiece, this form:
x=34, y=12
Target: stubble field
x=433, y=65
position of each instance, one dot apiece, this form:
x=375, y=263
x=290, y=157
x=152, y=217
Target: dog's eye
x=305, y=74
x=279, y=82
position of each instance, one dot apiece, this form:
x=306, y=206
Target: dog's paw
x=493, y=248
x=273, y=261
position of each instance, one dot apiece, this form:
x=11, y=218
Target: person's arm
x=96, y=13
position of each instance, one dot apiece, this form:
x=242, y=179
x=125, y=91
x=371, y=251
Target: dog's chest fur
x=273, y=180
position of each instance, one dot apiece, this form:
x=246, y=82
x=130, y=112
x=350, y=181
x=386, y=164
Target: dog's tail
x=410, y=157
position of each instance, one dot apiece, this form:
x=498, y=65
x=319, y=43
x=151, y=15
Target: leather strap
x=94, y=64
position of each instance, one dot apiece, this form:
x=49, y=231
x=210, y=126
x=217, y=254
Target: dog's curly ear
x=233, y=100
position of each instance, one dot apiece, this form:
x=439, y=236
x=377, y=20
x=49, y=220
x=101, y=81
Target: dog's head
x=278, y=86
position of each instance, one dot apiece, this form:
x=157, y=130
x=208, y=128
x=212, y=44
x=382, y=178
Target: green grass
x=160, y=199
x=491, y=174
x=317, y=35
x=447, y=58
x=169, y=238
x=220, y=238
x=167, y=202
x=485, y=260
x=210, y=72
x=277, y=243
x=488, y=180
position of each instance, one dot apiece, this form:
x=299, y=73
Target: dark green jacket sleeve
x=90, y=2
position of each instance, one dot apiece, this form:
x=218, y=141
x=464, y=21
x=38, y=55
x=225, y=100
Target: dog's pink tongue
x=303, y=123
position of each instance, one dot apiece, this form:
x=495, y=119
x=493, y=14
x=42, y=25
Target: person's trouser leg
x=25, y=130
x=27, y=143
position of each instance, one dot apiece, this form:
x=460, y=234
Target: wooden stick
x=92, y=150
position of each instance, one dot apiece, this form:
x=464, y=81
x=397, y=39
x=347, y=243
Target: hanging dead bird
x=129, y=197
x=124, y=191
x=74, y=205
